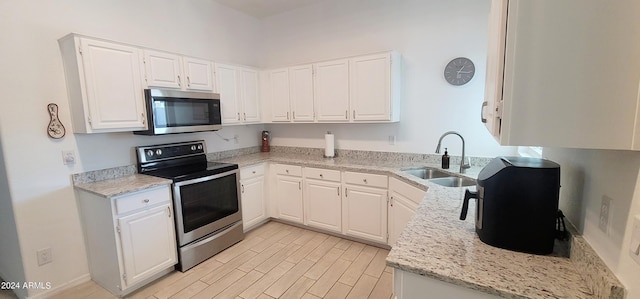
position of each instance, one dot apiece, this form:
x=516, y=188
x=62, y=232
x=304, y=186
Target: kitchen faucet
x=463, y=166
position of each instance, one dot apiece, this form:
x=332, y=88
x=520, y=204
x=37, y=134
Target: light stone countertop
x=435, y=243
x=123, y=185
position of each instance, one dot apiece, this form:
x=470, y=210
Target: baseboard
x=60, y=288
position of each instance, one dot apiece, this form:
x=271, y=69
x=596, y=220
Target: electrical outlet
x=44, y=256
x=68, y=157
x=392, y=139
x=605, y=213
x=236, y=138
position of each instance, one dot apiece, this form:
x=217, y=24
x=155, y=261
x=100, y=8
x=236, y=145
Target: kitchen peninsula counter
x=437, y=244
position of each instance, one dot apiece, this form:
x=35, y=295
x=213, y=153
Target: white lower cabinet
x=288, y=193
x=254, y=209
x=130, y=239
x=364, y=209
x=408, y=285
x=322, y=199
x=403, y=203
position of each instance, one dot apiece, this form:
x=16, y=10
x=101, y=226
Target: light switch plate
x=634, y=246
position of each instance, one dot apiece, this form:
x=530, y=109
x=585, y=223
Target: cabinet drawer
x=365, y=179
x=143, y=199
x=322, y=174
x=252, y=171
x=288, y=169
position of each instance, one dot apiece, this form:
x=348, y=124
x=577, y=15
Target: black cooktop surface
x=191, y=171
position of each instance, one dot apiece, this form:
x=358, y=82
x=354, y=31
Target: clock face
x=459, y=71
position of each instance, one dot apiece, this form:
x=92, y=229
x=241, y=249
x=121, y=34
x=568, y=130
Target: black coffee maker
x=517, y=204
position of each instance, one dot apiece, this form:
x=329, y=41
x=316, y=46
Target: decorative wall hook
x=56, y=129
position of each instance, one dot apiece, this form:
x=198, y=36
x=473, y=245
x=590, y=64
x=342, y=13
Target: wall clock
x=459, y=71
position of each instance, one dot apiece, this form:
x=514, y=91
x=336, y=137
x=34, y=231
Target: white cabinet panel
x=408, y=285
x=365, y=213
x=301, y=92
x=332, y=90
x=148, y=243
x=249, y=86
x=104, y=85
x=253, y=201
x=229, y=90
x=279, y=87
x=198, y=74
x=162, y=69
x=323, y=205
x=370, y=83
x=289, y=198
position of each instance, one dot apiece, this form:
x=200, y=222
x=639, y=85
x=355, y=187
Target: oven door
x=205, y=205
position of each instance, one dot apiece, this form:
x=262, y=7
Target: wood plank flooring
x=273, y=261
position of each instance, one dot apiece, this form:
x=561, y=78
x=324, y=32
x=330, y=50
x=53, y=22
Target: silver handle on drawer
x=146, y=201
x=364, y=180
x=482, y=119
x=354, y=114
x=346, y=114
x=346, y=192
x=188, y=81
x=179, y=82
x=286, y=170
x=169, y=211
x=254, y=172
x=299, y=185
x=238, y=115
x=294, y=114
x=338, y=191
x=321, y=176
x=391, y=201
x=242, y=185
x=245, y=116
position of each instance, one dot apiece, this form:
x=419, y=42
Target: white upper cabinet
x=375, y=87
x=561, y=75
x=301, y=93
x=239, y=94
x=279, y=95
x=162, y=69
x=198, y=74
x=168, y=70
x=332, y=91
x=104, y=85
x=249, y=93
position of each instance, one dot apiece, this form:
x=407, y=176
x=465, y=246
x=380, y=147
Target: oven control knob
x=150, y=153
x=158, y=152
x=199, y=146
x=193, y=148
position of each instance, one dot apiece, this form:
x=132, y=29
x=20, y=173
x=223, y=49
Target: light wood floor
x=274, y=261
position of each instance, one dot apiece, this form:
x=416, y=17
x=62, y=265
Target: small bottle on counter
x=445, y=159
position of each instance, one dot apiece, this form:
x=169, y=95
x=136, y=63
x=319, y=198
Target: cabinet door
x=365, y=213
x=370, y=86
x=490, y=112
x=331, y=90
x=250, y=100
x=162, y=69
x=253, y=205
x=323, y=205
x=113, y=85
x=401, y=209
x=301, y=91
x=198, y=74
x=279, y=85
x=289, y=198
x=229, y=90
x=148, y=243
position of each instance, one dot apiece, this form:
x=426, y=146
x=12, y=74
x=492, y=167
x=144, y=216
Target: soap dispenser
x=445, y=159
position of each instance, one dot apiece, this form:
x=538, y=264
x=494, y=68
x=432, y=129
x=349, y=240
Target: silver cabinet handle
x=146, y=201
x=354, y=114
x=287, y=115
x=321, y=176
x=482, y=119
x=245, y=116
x=286, y=170
x=391, y=201
x=254, y=172
x=346, y=192
x=144, y=120
x=242, y=185
x=346, y=114
x=294, y=115
x=299, y=185
x=169, y=211
x=338, y=191
x=364, y=180
x=238, y=115
x=188, y=81
x=179, y=81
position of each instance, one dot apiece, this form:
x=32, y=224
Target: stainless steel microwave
x=174, y=111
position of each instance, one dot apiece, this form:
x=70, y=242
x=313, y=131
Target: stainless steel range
x=206, y=198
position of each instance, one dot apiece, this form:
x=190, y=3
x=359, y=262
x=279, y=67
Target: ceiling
x=265, y=8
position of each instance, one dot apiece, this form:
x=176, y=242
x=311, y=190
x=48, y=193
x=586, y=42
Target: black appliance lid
x=500, y=163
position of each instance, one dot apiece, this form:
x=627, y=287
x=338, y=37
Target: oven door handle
x=207, y=178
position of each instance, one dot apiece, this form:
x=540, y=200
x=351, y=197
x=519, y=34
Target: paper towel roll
x=329, y=145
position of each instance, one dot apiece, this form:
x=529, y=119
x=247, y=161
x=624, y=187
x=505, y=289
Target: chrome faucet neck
x=463, y=165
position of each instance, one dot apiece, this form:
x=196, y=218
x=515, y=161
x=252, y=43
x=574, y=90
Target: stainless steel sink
x=426, y=173
x=454, y=181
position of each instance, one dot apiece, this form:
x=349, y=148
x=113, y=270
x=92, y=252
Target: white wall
x=32, y=76
x=587, y=176
x=428, y=34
